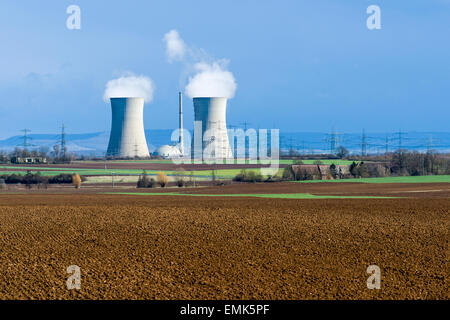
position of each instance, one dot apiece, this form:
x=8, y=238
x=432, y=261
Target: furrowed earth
x=212, y=246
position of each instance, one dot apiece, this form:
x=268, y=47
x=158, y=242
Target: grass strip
x=409, y=179
x=274, y=195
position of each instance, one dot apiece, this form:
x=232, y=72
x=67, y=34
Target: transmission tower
x=63, y=141
x=333, y=140
x=291, y=146
x=363, y=143
x=387, y=144
x=400, y=135
x=26, y=139
x=303, y=147
x=430, y=144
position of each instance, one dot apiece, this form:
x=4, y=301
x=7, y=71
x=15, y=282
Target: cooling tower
x=211, y=111
x=127, y=139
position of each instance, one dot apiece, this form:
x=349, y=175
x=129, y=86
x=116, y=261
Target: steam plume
x=175, y=46
x=211, y=80
x=130, y=86
x=211, y=77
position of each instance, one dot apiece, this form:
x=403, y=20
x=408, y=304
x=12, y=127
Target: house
x=319, y=171
x=28, y=160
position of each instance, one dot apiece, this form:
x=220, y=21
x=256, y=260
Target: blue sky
x=299, y=65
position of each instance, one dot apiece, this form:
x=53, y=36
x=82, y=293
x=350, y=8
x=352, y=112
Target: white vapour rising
x=211, y=80
x=175, y=46
x=130, y=86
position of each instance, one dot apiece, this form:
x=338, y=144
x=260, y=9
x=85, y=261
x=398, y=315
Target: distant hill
x=304, y=142
x=88, y=143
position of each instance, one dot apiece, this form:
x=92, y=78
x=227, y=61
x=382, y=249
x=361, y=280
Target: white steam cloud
x=211, y=80
x=130, y=86
x=175, y=46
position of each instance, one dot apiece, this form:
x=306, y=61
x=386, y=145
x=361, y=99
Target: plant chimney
x=180, y=98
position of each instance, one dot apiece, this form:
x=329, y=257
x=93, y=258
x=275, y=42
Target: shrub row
x=253, y=177
x=37, y=178
x=145, y=182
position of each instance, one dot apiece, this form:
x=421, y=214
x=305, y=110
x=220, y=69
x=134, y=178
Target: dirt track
x=215, y=248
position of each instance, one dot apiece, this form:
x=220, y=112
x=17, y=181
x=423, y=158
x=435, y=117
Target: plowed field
x=138, y=247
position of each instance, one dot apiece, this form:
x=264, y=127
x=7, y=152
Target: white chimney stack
x=180, y=99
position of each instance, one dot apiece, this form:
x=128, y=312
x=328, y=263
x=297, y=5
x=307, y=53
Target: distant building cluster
x=321, y=172
x=28, y=160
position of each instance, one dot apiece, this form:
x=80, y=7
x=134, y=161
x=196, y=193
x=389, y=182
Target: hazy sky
x=299, y=65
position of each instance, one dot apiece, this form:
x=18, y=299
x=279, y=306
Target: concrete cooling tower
x=211, y=111
x=127, y=139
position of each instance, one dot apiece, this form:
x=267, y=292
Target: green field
x=413, y=179
x=126, y=161
x=222, y=173
x=282, y=161
x=255, y=195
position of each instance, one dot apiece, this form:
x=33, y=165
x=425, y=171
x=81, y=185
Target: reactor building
x=127, y=138
x=211, y=113
x=174, y=151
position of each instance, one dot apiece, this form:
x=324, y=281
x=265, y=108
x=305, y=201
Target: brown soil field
x=407, y=190
x=165, y=247
x=332, y=188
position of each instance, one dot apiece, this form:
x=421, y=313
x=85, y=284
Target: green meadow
x=220, y=174
x=45, y=171
x=407, y=179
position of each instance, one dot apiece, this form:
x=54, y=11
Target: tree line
x=400, y=163
x=35, y=178
x=55, y=155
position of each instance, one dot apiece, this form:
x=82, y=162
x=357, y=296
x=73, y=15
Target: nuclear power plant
x=211, y=112
x=210, y=140
x=127, y=138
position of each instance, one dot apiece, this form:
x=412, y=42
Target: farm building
x=320, y=171
x=28, y=160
